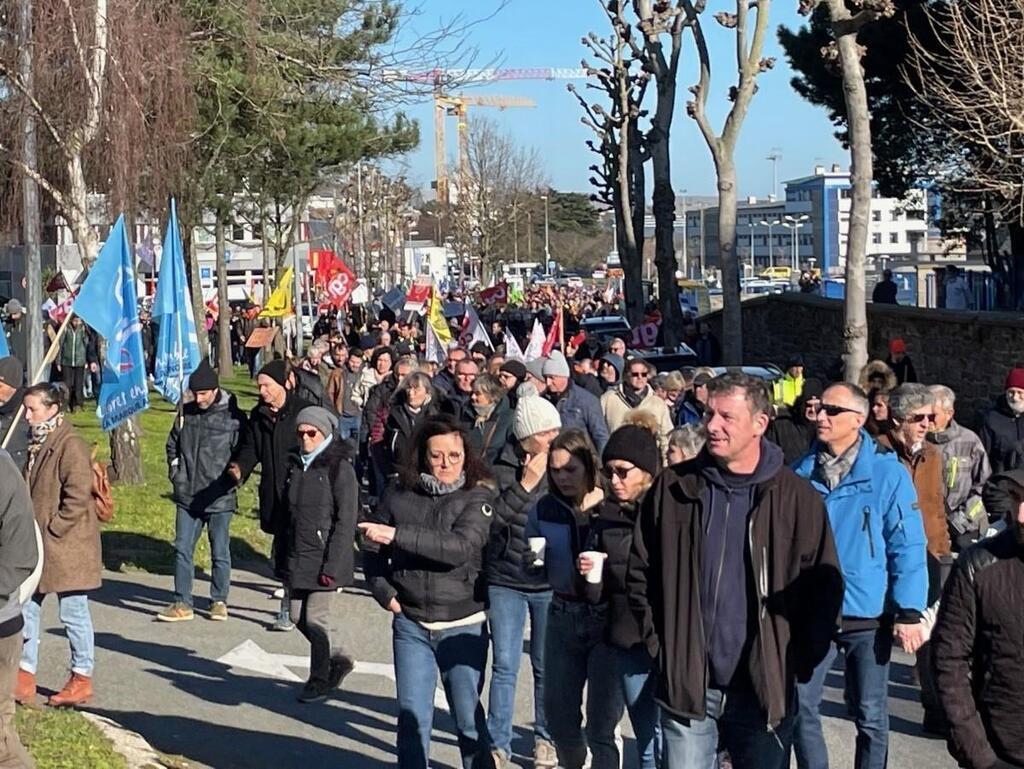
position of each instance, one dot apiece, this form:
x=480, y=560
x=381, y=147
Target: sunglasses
x=618, y=472
x=307, y=433
x=638, y=374
x=832, y=410
x=918, y=418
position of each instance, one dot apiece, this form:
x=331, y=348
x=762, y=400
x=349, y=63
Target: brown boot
x=25, y=690
x=77, y=691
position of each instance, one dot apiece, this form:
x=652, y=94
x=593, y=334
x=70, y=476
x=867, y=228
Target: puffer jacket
x=434, y=564
x=309, y=387
x=375, y=412
x=199, y=448
x=876, y=368
x=878, y=532
x=977, y=645
x=1002, y=435
x=322, y=508
x=965, y=471
x=507, y=548
x=398, y=432
x=997, y=495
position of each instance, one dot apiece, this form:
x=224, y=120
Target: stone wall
x=967, y=351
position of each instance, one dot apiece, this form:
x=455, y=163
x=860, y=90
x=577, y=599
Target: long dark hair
x=578, y=444
x=416, y=462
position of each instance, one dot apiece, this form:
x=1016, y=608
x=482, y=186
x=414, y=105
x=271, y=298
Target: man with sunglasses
x=635, y=392
x=872, y=507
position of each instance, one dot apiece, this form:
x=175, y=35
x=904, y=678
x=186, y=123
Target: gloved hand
x=325, y=580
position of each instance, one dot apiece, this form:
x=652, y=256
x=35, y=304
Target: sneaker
x=544, y=754
x=218, y=611
x=176, y=612
x=282, y=623
x=341, y=666
x=314, y=691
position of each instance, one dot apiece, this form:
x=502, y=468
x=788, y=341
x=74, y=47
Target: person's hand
x=235, y=472
x=533, y=470
x=910, y=637
x=93, y=367
x=394, y=606
x=584, y=564
x=59, y=367
x=378, y=533
x=325, y=581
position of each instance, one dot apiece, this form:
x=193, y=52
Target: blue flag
x=177, y=346
x=107, y=302
x=5, y=350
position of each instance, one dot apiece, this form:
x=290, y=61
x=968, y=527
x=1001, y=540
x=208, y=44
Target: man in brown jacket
x=735, y=580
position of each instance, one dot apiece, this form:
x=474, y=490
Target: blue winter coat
x=582, y=410
x=878, y=531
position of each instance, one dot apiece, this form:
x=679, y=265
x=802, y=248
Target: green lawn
x=142, y=533
x=64, y=739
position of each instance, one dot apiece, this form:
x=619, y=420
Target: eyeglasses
x=466, y=376
x=639, y=374
x=306, y=433
x=832, y=410
x=918, y=418
x=453, y=457
x=619, y=472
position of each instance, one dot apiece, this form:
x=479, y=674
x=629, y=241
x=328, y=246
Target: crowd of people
x=692, y=549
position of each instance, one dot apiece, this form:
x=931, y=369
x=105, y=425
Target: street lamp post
x=752, y=268
x=769, y=225
x=685, y=233
x=547, y=244
x=794, y=224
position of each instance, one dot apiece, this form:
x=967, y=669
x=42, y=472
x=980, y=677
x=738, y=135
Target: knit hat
x=616, y=362
x=535, y=368
x=203, y=378
x=897, y=345
x=276, y=370
x=12, y=373
x=636, y=445
x=533, y=414
x=480, y=348
x=515, y=368
x=556, y=364
x=318, y=417
x=796, y=359
x=1014, y=379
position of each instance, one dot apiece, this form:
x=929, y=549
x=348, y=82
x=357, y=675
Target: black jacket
x=885, y=292
x=506, y=563
x=376, y=408
x=268, y=441
x=17, y=447
x=490, y=437
x=996, y=497
x=199, y=448
x=904, y=370
x=310, y=388
x=793, y=434
x=1002, y=435
x=977, y=646
x=398, y=434
x=322, y=507
x=792, y=572
x=458, y=404
x=433, y=565
x=611, y=532
x=589, y=382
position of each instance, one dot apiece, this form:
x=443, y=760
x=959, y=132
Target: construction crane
x=456, y=105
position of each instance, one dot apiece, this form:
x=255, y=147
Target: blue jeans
x=576, y=655
x=460, y=654
x=735, y=720
x=507, y=618
x=638, y=680
x=187, y=528
x=867, y=691
x=347, y=427
x=77, y=621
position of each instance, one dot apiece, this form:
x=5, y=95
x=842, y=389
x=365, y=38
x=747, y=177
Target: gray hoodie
x=19, y=551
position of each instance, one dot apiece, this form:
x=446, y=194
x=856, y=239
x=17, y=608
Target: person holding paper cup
x=630, y=461
x=576, y=652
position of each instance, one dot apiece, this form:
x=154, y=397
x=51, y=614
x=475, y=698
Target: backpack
x=102, y=497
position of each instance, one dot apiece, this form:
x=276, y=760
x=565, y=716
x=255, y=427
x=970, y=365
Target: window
x=894, y=215
x=257, y=231
x=915, y=215
x=876, y=216
x=6, y=283
x=237, y=232
x=846, y=193
x=894, y=237
x=876, y=238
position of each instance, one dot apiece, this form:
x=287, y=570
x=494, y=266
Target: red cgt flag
x=495, y=294
x=341, y=285
x=554, y=336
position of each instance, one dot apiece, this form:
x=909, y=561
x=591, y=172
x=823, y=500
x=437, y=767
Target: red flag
x=57, y=283
x=554, y=334
x=495, y=294
x=341, y=285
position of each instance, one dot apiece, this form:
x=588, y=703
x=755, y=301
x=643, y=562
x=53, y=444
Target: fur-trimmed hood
x=874, y=368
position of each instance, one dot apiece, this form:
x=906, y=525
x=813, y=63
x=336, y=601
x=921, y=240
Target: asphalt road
x=222, y=694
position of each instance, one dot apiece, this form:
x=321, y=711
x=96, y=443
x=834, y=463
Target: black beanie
x=636, y=445
x=276, y=370
x=203, y=378
x=515, y=368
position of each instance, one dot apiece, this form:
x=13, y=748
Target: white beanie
x=556, y=364
x=533, y=414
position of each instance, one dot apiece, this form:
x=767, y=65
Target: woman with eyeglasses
x=576, y=650
x=629, y=463
x=423, y=560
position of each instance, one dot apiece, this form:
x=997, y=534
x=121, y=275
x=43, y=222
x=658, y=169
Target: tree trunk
x=196, y=285
x=855, y=320
x=126, y=453
x=664, y=201
x=224, y=308
x=732, y=317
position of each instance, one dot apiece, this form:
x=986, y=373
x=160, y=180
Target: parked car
x=769, y=372
x=665, y=358
x=604, y=326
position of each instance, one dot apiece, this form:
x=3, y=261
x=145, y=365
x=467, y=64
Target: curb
x=138, y=753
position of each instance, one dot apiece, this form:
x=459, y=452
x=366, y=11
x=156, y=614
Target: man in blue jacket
x=577, y=407
x=872, y=507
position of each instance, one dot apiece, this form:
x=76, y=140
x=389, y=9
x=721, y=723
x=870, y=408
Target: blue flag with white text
x=108, y=303
x=177, y=345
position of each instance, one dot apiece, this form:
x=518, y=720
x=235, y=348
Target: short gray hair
x=754, y=389
x=689, y=439
x=408, y=360
x=944, y=396
x=855, y=393
x=489, y=385
x=907, y=398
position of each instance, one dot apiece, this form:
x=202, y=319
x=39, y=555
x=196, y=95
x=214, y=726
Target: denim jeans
x=576, y=655
x=734, y=720
x=460, y=654
x=636, y=667
x=507, y=616
x=867, y=691
x=187, y=528
x=348, y=427
x=77, y=621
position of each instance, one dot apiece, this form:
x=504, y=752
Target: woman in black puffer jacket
x=413, y=401
x=322, y=494
x=424, y=559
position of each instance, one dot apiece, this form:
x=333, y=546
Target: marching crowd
x=691, y=548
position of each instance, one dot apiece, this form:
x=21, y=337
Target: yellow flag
x=280, y=302
x=437, y=320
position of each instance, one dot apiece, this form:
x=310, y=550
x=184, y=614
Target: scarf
x=830, y=470
x=483, y=413
x=633, y=397
x=435, y=488
x=39, y=433
x=307, y=459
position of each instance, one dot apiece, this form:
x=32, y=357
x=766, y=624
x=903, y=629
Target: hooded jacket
x=876, y=368
x=1002, y=436
x=792, y=574
x=965, y=469
x=199, y=448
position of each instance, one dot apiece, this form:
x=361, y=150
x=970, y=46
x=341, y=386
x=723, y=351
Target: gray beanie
x=533, y=414
x=556, y=364
x=535, y=368
x=318, y=417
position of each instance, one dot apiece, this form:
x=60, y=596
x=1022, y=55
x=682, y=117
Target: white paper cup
x=537, y=545
x=594, y=575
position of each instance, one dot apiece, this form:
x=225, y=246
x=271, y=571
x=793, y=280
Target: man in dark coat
x=266, y=442
x=1002, y=427
x=885, y=289
x=12, y=379
x=204, y=436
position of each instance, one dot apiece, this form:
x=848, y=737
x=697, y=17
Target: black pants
x=74, y=378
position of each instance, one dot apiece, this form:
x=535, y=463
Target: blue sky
x=546, y=33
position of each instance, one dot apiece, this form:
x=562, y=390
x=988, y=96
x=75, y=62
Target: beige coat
x=60, y=483
x=615, y=408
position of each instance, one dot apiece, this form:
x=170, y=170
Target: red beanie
x=897, y=345
x=1015, y=379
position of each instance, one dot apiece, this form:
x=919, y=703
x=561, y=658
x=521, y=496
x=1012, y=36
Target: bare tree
x=750, y=35
x=845, y=55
